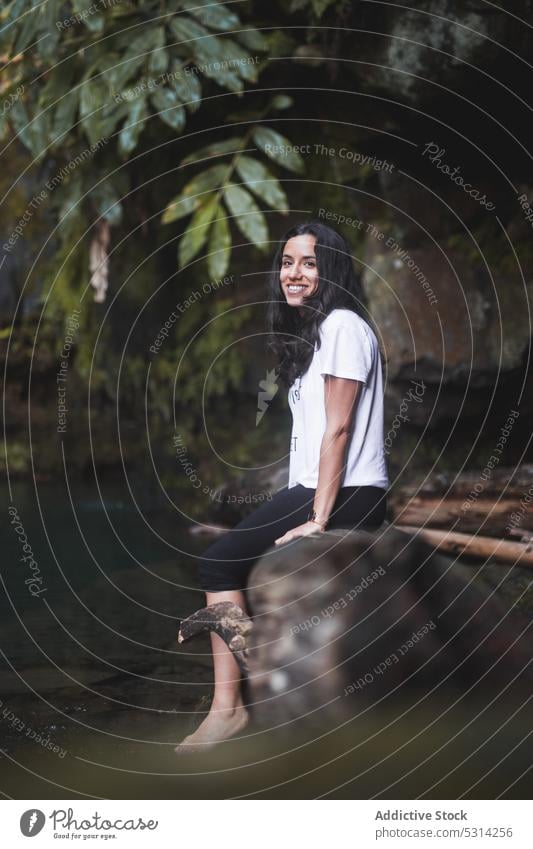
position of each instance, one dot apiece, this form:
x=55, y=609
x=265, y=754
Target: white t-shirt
x=349, y=348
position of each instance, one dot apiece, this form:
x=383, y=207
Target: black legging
x=225, y=565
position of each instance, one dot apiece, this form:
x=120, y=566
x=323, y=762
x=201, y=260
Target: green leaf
x=33, y=132
x=48, y=13
x=187, y=30
x=281, y=101
x=107, y=202
x=191, y=198
x=27, y=26
x=59, y=81
x=196, y=233
x=40, y=133
x=158, y=60
x=214, y=16
x=215, y=149
x=147, y=39
x=243, y=63
x=189, y=90
x=252, y=39
x=169, y=108
x=4, y=127
x=19, y=119
x=112, y=115
x=95, y=21
x=116, y=69
x=320, y=6
x=219, y=247
x=10, y=15
x=119, y=65
x=262, y=182
x=278, y=148
x=248, y=217
x=218, y=58
x=133, y=126
x=69, y=196
x=64, y=116
x=93, y=97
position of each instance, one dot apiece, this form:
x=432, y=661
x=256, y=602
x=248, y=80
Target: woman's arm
x=341, y=395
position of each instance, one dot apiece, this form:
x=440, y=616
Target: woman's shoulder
x=341, y=317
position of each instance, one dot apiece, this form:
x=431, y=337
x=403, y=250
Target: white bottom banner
x=224, y=824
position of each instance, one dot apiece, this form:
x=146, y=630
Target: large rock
x=477, y=328
x=436, y=41
x=351, y=619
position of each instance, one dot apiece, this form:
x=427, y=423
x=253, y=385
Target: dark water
x=89, y=627
x=82, y=536
x=96, y=692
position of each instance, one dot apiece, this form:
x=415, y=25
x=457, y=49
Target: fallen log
x=351, y=620
x=512, y=482
x=523, y=535
x=457, y=513
x=469, y=501
x=503, y=551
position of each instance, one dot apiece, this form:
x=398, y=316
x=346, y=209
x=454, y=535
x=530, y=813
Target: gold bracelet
x=312, y=518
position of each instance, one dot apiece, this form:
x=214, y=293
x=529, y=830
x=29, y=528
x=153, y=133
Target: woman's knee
x=214, y=577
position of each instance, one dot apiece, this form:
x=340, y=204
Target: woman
x=329, y=358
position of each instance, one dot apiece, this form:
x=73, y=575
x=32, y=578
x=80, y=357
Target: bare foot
x=218, y=725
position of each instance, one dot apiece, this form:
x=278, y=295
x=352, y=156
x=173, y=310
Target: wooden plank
x=503, y=551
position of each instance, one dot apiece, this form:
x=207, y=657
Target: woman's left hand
x=304, y=530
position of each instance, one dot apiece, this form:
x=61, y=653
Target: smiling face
x=299, y=273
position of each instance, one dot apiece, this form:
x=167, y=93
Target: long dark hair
x=292, y=337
